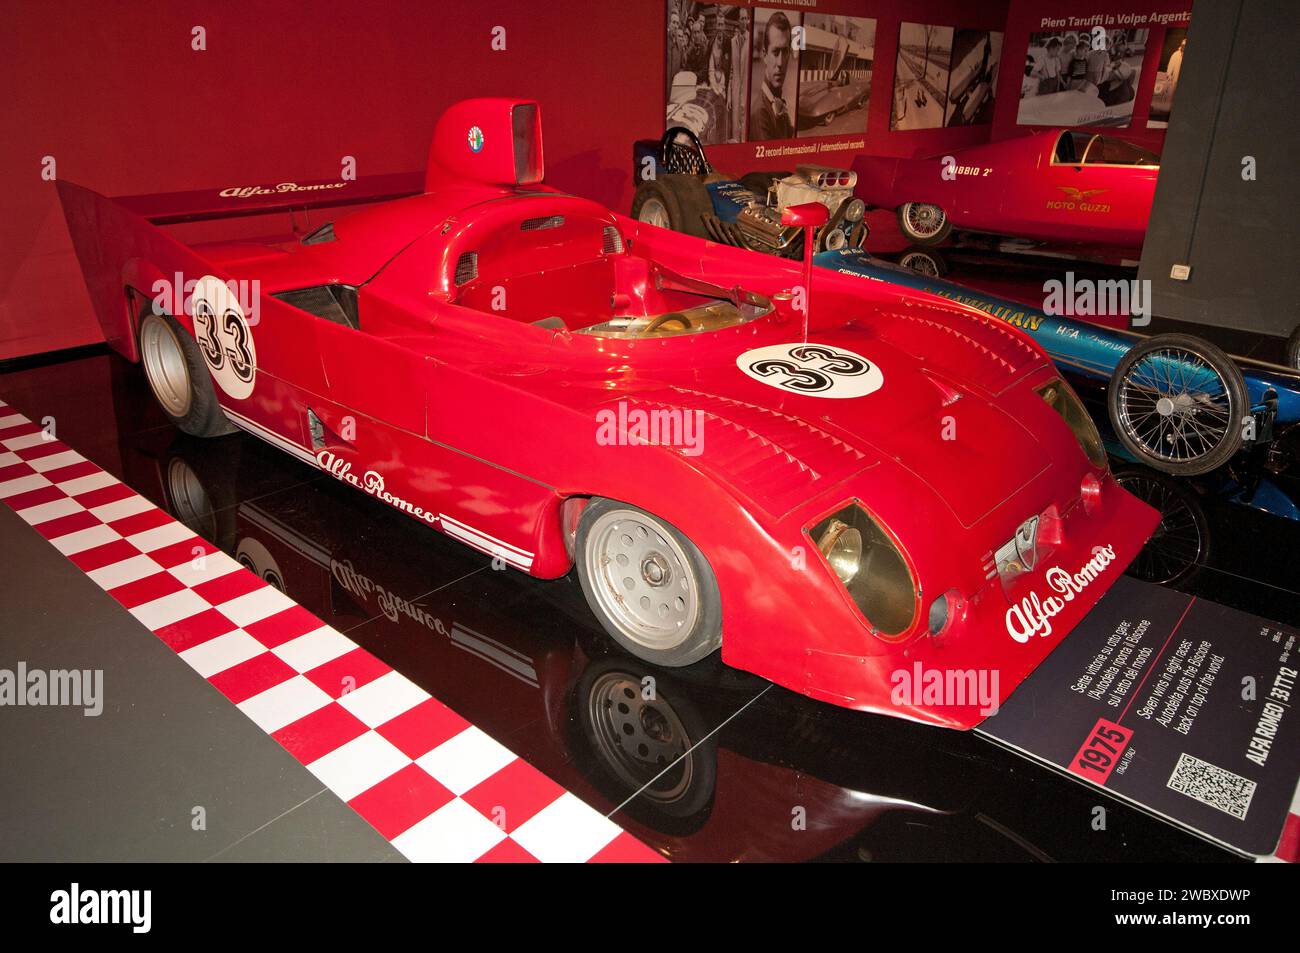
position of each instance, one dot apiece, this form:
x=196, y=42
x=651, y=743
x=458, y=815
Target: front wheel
x=923, y=223
x=179, y=377
x=1178, y=404
x=650, y=587
x=1180, y=544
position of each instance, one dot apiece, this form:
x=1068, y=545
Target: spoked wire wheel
x=1178, y=403
x=924, y=223
x=1180, y=544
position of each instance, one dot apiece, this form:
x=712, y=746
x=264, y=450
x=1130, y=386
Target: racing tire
x=649, y=586
x=1180, y=544
x=179, y=378
x=1293, y=349
x=678, y=202
x=924, y=223
x=1168, y=422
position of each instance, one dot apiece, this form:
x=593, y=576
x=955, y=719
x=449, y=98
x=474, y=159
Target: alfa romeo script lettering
x=1033, y=614
x=816, y=370
x=372, y=482
x=224, y=336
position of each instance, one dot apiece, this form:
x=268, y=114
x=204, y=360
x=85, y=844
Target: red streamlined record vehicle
x=1055, y=185
x=886, y=481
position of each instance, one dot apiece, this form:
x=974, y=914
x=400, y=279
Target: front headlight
x=870, y=567
x=841, y=544
x=1062, y=399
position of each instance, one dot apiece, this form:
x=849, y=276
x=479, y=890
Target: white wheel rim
x=642, y=579
x=654, y=213
x=165, y=366
x=924, y=221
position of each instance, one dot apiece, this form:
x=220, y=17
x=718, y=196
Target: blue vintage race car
x=1177, y=402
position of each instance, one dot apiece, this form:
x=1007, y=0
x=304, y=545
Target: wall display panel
x=1167, y=72
x=835, y=74
x=1082, y=77
x=707, y=56
x=973, y=78
x=774, y=83
x=921, y=76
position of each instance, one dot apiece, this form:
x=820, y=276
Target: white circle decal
x=816, y=370
x=224, y=336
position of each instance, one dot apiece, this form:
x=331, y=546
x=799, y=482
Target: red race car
x=1056, y=185
x=888, y=484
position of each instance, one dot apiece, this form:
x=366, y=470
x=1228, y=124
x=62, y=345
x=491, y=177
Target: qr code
x=1212, y=785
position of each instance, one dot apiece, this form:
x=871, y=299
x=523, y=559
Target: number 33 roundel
x=223, y=335
x=817, y=370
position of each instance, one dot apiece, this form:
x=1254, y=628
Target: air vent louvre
x=466, y=268
x=537, y=224
x=612, y=241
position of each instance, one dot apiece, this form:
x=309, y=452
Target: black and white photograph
x=1081, y=78
x=976, y=55
x=775, y=78
x=1171, y=65
x=707, y=59
x=921, y=76
x=835, y=74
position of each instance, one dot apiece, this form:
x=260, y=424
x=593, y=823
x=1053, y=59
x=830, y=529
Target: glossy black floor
x=757, y=772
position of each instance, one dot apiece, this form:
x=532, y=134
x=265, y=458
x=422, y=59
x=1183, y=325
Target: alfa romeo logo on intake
x=817, y=370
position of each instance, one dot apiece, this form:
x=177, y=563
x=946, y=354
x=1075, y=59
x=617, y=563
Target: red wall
x=114, y=92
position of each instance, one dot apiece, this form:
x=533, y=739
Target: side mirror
x=808, y=215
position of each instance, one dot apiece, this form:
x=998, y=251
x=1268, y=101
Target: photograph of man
x=772, y=95
x=1167, y=73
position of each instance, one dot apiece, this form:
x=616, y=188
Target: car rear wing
x=171, y=208
x=120, y=245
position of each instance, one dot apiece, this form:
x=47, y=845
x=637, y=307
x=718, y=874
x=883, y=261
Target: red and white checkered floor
x=434, y=785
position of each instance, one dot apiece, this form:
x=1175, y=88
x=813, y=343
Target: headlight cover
x=1062, y=399
x=870, y=566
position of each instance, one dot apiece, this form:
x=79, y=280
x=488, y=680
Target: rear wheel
x=650, y=587
x=179, y=377
x=1178, y=404
x=679, y=202
x=924, y=223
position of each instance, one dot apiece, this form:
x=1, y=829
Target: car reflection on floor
x=703, y=763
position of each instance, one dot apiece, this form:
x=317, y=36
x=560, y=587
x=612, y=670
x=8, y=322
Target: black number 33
x=813, y=368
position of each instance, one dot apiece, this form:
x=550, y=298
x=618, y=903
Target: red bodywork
x=1018, y=187
x=450, y=403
